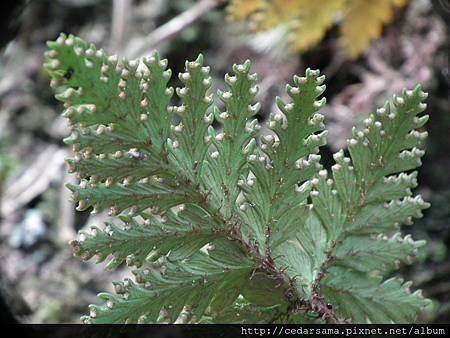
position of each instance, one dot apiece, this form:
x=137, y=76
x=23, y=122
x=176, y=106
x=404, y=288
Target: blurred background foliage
x=40, y=281
x=305, y=22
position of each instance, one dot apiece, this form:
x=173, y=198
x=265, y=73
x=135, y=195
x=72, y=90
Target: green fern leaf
x=227, y=161
x=221, y=226
x=284, y=164
x=202, y=281
x=371, y=300
x=355, y=216
x=181, y=234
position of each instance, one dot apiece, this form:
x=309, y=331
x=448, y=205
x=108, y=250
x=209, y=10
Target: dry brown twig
x=34, y=181
x=120, y=19
x=168, y=30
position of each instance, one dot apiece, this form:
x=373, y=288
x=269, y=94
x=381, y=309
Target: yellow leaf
x=315, y=18
x=239, y=10
x=307, y=21
x=277, y=12
x=363, y=22
x=399, y=3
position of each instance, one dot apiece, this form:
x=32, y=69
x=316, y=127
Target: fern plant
x=225, y=225
x=306, y=22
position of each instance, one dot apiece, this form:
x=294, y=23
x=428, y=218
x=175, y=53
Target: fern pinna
x=222, y=224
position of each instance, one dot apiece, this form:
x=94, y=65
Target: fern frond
x=380, y=254
x=228, y=223
x=135, y=197
x=230, y=146
x=178, y=235
x=371, y=300
x=388, y=143
x=203, y=280
x=189, y=146
x=288, y=158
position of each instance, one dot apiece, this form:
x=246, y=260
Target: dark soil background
x=40, y=280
